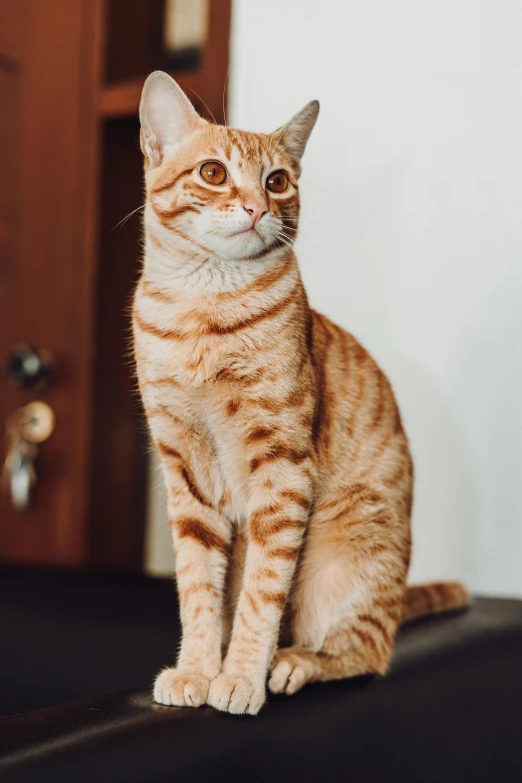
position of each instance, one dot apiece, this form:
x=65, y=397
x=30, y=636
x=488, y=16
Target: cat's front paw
x=178, y=688
x=236, y=694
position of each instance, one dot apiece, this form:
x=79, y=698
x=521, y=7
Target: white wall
x=412, y=234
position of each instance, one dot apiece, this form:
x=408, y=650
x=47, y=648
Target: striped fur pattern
x=287, y=470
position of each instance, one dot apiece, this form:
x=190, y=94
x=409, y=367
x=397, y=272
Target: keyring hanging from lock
x=26, y=429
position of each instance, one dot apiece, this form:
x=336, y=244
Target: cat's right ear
x=166, y=117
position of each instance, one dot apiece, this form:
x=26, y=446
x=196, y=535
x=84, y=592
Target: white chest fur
x=186, y=404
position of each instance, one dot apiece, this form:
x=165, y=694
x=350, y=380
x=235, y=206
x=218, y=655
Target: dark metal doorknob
x=29, y=368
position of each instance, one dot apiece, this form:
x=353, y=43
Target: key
x=26, y=429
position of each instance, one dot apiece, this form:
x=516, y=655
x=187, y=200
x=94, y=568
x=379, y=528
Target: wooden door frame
x=119, y=468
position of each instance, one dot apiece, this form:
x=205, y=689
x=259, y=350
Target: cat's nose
x=256, y=212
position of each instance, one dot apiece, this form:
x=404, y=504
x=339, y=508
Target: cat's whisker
x=224, y=91
x=204, y=104
x=289, y=244
x=306, y=220
x=300, y=232
x=174, y=248
x=301, y=252
x=191, y=240
x=124, y=220
x=314, y=245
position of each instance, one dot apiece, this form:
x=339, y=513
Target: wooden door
x=71, y=73
x=49, y=55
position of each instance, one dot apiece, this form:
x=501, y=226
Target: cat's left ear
x=166, y=117
x=294, y=134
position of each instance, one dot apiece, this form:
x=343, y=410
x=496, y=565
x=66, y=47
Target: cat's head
x=231, y=192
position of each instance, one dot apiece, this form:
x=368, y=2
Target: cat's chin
x=243, y=246
x=254, y=245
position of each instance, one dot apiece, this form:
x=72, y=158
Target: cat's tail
x=434, y=598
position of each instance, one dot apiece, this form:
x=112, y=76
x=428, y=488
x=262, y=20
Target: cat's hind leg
x=293, y=667
x=348, y=599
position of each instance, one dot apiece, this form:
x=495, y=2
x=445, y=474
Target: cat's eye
x=277, y=182
x=213, y=172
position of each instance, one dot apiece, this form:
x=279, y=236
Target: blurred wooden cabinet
x=71, y=73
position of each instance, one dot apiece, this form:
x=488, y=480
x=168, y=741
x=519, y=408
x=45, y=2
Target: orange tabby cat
x=288, y=473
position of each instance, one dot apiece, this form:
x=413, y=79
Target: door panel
x=8, y=135
x=47, y=160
